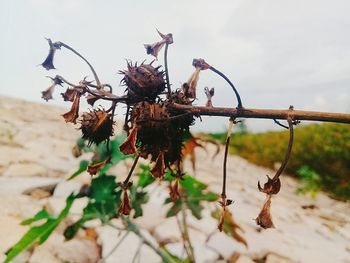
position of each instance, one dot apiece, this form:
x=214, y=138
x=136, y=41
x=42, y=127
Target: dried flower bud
x=190, y=86
x=125, y=206
x=209, y=94
x=97, y=126
x=48, y=62
x=129, y=146
x=200, y=64
x=73, y=114
x=168, y=38
x=153, y=49
x=174, y=190
x=271, y=186
x=159, y=168
x=94, y=168
x=264, y=218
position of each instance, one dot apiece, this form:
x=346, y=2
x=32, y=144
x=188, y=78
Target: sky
x=277, y=53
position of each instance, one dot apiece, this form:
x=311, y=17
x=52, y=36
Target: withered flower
x=73, y=114
x=200, y=63
x=272, y=186
x=97, y=126
x=224, y=203
x=129, y=146
x=69, y=94
x=264, y=218
x=153, y=49
x=159, y=167
x=125, y=206
x=47, y=94
x=94, y=168
x=48, y=62
x=174, y=190
x=191, y=84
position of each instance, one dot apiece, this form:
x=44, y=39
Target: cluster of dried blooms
x=155, y=130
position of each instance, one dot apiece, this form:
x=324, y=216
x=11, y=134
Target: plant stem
x=167, y=70
x=264, y=113
x=98, y=83
x=190, y=251
x=227, y=144
x=126, y=181
x=103, y=260
x=230, y=83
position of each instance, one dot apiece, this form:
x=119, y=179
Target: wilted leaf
x=264, y=218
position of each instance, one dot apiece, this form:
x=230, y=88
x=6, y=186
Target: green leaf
x=39, y=233
x=71, y=230
x=43, y=214
x=138, y=198
x=82, y=168
x=196, y=209
x=145, y=176
x=103, y=188
x=175, y=209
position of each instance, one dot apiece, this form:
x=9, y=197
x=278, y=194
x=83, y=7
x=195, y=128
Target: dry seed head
x=143, y=82
x=96, y=126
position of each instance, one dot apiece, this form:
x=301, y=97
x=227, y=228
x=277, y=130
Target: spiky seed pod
x=96, y=126
x=143, y=82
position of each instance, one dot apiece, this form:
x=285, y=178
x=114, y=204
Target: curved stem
x=166, y=69
x=98, y=83
x=230, y=83
x=288, y=152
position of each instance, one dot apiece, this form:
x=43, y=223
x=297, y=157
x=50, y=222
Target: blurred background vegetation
x=320, y=156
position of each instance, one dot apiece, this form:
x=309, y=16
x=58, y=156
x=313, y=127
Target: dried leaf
x=125, y=207
x=189, y=150
x=129, y=146
x=209, y=94
x=159, y=168
x=91, y=99
x=47, y=94
x=73, y=114
x=264, y=218
x=271, y=186
x=94, y=168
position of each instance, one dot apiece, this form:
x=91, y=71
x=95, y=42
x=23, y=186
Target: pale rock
x=25, y=169
x=77, y=250
x=10, y=231
x=19, y=206
x=243, y=259
x=24, y=185
x=275, y=258
x=65, y=188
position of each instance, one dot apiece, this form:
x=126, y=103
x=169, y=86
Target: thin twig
x=228, y=138
x=126, y=181
x=166, y=69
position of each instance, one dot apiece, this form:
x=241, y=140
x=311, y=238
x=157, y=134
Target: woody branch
x=264, y=113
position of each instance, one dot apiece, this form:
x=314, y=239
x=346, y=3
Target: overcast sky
x=277, y=53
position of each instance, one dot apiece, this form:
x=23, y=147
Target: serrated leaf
x=196, y=209
x=39, y=233
x=175, y=208
x=145, y=176
x=82, y=168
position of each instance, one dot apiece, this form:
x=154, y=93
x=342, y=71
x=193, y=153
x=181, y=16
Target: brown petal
x=94, y=168
x=69, y=94
x=168, y=38
x=159, y=168
x=48, y=62
x=129, y=146
x=174, y=190
x=73, y=114
x=125, y=207
x=200, y=64
x=264, y=218
x=271, y=186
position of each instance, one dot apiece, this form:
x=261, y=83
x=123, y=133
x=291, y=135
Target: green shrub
x=324, y=148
